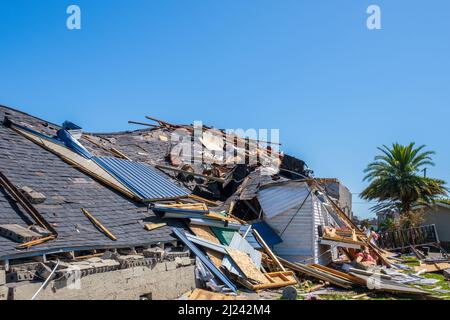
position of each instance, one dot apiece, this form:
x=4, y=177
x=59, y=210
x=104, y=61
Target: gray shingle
x=67, y=190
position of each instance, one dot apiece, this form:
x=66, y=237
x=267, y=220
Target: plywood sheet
x=200, y=294
x=247, y=266
x=215, y=257
x=434, y=267
x=204, y=232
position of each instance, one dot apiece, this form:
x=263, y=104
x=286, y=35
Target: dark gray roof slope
x=67, y=190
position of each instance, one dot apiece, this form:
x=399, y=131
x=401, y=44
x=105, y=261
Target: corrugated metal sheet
x=281, y=198
x=250, y=237
x=144, y=181
x=198, y=253
x=285, y=209
x=280, y=203
x=321, y=217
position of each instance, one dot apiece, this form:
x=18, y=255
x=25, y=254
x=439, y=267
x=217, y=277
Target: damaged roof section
x=67, y=190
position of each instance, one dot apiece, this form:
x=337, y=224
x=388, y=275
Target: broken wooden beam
x=98, y=224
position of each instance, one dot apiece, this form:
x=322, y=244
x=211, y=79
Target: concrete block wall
x=165, y=280
x=3, y=293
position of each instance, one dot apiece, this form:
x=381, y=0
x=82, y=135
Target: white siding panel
x=283, y=202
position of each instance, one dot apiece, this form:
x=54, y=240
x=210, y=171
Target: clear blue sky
x=334, y=88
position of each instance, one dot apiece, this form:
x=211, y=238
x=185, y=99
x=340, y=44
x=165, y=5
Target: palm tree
x=395, y=180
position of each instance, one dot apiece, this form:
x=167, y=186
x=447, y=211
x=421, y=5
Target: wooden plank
x=119, y=154
x=318, y=274
x=143, y=124
x=204, y=232
x=267, y=249
x=35, y=242
x=200, y=294
x=98, y=224
x=214, y=215
x=215, y=257
x=247, y=266
x=433, y=267
x=25, y=204
x=275, y=280
x=154, y=226
x=163, y=167
x=339, y=274
x=201, y=199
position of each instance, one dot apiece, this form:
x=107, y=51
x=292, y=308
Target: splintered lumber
x=433, y=267
x=267, y=249
x=98, y=224
x=200, y=206
x=143, y=124
x=200, y=294
x=274, y=280
x=206, y=233
x=247, y=266
x=317, y=287
x=163, y=167
x=153, y=226
x=417, y=253
x=339, y=274
x=318, y=274
x=35, y=242
x=119, y=154
x=201, y=199
x=214, y=215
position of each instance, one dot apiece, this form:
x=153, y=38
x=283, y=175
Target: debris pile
x=248, y=216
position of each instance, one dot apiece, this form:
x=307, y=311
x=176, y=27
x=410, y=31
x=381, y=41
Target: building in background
x=439, y=215
x=340, y=192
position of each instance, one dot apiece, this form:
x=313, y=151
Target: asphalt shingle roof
x=67, y=190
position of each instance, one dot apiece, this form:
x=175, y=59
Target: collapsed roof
x=28, y=162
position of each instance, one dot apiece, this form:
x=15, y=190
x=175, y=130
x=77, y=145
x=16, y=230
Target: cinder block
x=33, y=196
x=43, y=271
x=156, y=253
x=172, y=265
x=186, y=261
x=160, y=267
x=3, y=293
x=18, y=233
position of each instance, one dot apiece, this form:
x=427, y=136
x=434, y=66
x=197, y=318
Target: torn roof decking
x=67, y=190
